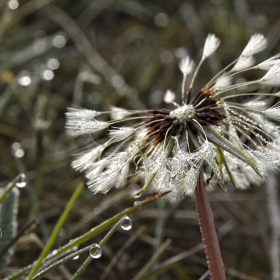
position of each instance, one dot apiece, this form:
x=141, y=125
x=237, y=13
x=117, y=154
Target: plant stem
x=208, y=233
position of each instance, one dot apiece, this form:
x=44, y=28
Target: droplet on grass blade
x=22, y=181
x=95, y=251
x=126, y=223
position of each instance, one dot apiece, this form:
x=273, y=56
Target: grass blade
x=55, y=232
x=8, y=188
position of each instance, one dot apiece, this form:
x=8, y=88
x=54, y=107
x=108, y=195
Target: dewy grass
x=170, y=147
x=55, y=232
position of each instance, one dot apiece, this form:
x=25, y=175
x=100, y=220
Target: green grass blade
x=93, y=232
x=55, y=232
x=225, y=144
x=85, y=237
x=60, y=262
x=8, y=188
x=8, y=224
x=152, y=260
x=89, y=258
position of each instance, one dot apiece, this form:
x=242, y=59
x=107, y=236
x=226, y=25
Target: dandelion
x=208, y=136
x=175, y=143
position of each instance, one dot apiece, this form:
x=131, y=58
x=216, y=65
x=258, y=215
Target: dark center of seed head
x=183, y=113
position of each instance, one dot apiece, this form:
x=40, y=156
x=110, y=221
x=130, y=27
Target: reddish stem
x=208, y=232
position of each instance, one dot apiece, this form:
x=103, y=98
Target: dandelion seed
x=121, y=133
x=243, y=62
x=272, y=77
x=77, y=127
x=77, y=114
x=267, y=64
x=211, y=45
x=169, y=97
x=96, y=169
x=256, y=44
x=233, y=142
x=85, y=160
x=186, y=65
x=273, y=112
x=222, y=82
x=118, y=113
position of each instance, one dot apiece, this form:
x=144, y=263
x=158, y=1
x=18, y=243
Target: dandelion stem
x=208, y=233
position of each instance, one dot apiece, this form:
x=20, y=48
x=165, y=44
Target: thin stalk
x=153, y=259
x=8, y=188
x=82, y=268
x=89, y=258
x=120, y=252
x=19, y=234
x=55, y=232
x=204, y=275
x=56, y=264
x=167, y=264
x=183, y=88
x=208, y=232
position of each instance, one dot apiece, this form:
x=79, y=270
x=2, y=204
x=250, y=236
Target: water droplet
x=135, y=191
x=0, y=232
x=47, y=75
x=126, y=223
x=24, y=78
x=13, y=4
x=53, y=63
x=59, y=40
x=76, y=257
x=62, y=232
x=16, y=146
x=161, y=19
x=19, y=153
x=54, y=252
x=136, y=202
x=22, y=181
x=95, y=251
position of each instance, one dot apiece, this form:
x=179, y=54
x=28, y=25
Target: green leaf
x=225, y=144
x=8, y=224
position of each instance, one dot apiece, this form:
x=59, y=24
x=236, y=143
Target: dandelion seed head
x=235, y=143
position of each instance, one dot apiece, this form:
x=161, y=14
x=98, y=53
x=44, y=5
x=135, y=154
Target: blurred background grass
x=97, y=53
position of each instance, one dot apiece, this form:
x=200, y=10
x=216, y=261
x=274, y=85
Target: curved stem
x=208, y=233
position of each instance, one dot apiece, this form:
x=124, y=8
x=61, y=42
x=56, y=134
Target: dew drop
x=136, y=194
x=95, y=251
x=136, y=202
x=126, y=223
x=76, y=257
x=0, y=232
x=22, y=181
x=54, y=252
